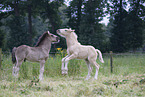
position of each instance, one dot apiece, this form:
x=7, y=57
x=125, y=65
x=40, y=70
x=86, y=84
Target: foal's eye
x=65, y=30
x=51, y=35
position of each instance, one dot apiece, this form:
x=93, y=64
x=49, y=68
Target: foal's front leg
x=66, y=62
x=62, y=66
x=42, y=63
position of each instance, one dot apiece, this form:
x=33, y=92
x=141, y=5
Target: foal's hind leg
x=16, y=68
x=93, y=61
x=89, y=69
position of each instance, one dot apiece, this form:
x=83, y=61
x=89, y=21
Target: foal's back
x=90, y=50
x=83, y=51
x=21, y=52
x=33, y=54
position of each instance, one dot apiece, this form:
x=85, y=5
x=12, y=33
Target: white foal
x=77, y=51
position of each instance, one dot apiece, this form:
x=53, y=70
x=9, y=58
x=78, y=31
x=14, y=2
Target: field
x=127, y=79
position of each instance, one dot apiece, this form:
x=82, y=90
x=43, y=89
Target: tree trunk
x=79, y=15
x=16, y=9
x=53, y=27
x=30, y=24
x=137, y=7
x=120, y=10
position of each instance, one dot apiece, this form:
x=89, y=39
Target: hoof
x=64, y=72
x=95, y=78
x=40, y=79
x=87, y=78
x=15, y=75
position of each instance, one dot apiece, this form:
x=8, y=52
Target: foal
x=39, y=53
x=77, y=51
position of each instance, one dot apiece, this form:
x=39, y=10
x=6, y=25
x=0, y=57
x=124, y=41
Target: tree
x=2, y=34
x=17, y=24
x=51, y=11
x=75, y=14
x=91, y=31
x=17, y=12
x=136, y=25
x=30, y=8
x=63, y=15
x=127, y=31
x=20, y=10
x=119, y=35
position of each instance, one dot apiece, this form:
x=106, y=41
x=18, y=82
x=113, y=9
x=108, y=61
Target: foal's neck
x=46, y=45
x=71, y=40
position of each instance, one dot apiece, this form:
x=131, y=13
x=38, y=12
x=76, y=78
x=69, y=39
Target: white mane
x=74, y=35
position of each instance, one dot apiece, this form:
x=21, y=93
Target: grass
x=127, y=79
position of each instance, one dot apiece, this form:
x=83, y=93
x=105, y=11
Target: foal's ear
x=48, y=32
x=72, y=30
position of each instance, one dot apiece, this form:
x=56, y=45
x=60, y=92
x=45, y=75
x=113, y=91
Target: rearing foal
x=77, y=51
x=39, y=53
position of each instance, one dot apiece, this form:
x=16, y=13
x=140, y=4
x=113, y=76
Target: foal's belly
x=82, y=55
x=81, y=52
x=37, y=57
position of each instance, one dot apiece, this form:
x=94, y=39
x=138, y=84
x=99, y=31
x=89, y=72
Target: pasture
x=127, y=79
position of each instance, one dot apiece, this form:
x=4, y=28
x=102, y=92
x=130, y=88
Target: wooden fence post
x=111, y=61
x=0, y=58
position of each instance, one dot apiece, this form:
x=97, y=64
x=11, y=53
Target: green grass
x=127, y=79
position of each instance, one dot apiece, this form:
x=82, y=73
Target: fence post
x=111, y=61
x=0, y=58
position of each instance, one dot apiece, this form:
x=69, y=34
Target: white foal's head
x=64, y=32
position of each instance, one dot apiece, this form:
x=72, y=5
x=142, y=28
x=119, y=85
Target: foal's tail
x=100, y=55
x=13, y=55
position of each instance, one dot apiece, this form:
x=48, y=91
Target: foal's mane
x=74, y=35
x=41, y=38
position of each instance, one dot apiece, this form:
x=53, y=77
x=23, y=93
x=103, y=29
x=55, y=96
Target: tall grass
x=122, y=65
x=127, y=79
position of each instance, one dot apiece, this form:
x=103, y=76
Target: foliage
x=124, y=32
x=119, y=39
x=74, y=12
x=20, y=10
x=136, y=21
x=51, y=11
x=127, y=30
x=1, y=38
x=2, y=33
x=135, y=31
x=91, y=31
x=18, y=33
